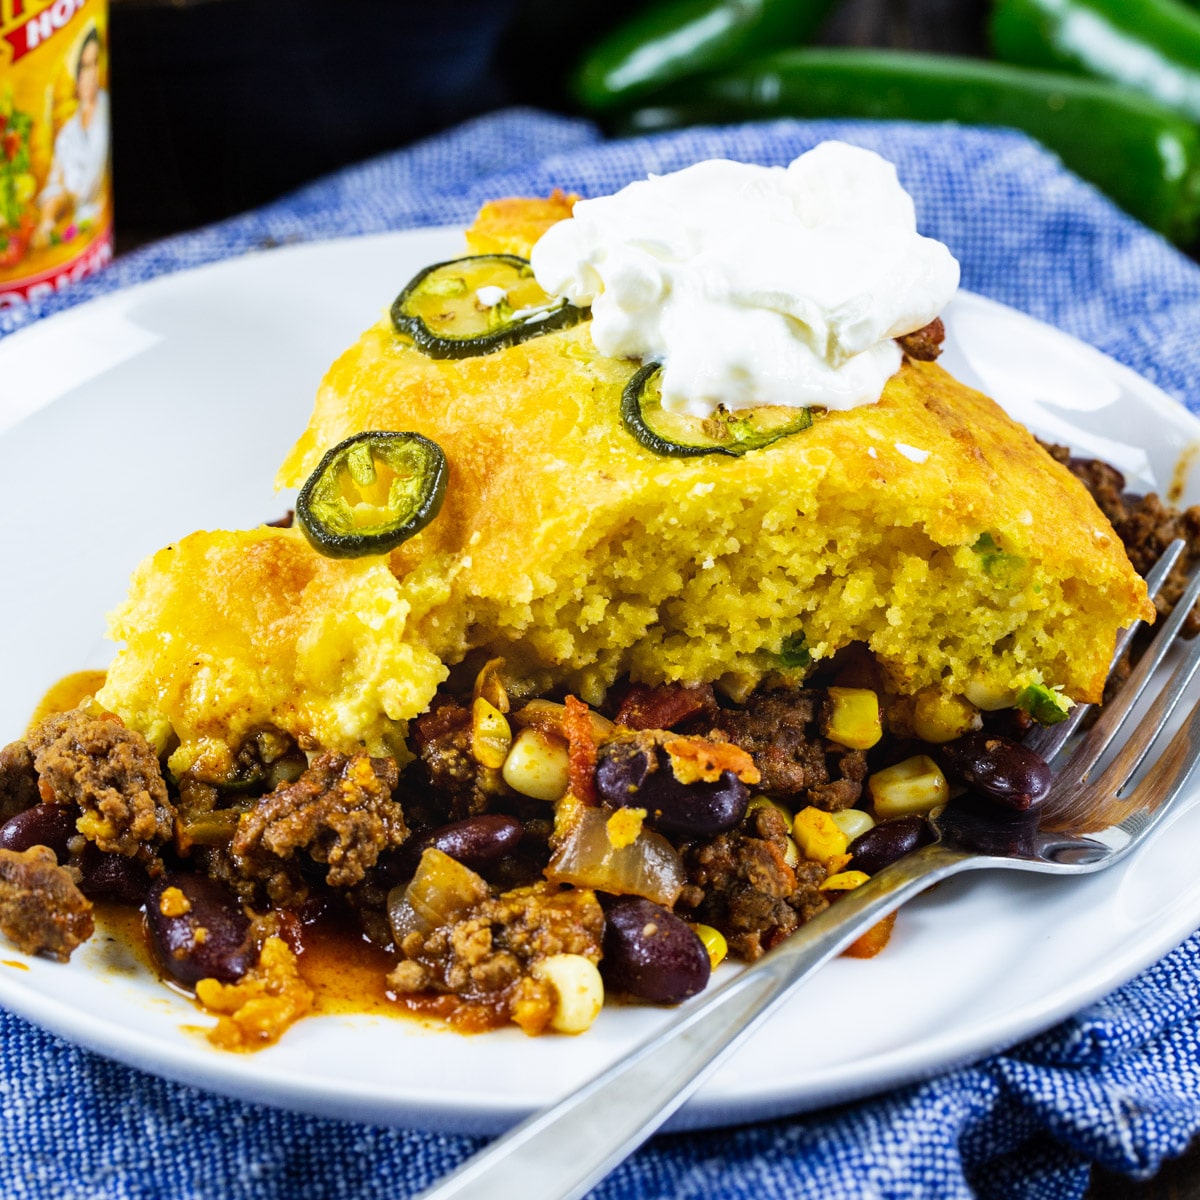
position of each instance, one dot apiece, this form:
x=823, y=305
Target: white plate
x=166, y=407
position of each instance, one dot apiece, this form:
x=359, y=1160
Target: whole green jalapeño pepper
x=1152, y=46
x=1144, y=156
x=673, y=39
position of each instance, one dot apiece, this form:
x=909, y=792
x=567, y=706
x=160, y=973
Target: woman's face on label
x=87, y=83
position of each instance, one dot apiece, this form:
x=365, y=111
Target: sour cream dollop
x=755, y=285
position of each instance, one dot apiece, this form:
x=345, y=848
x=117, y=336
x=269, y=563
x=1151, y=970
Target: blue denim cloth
x=1119, y=1084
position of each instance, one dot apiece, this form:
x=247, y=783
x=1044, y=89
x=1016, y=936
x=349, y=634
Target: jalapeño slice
x=682, y=436
x=372, y=492
x=478, y=305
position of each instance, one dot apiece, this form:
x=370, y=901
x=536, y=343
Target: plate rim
x=255, y=1079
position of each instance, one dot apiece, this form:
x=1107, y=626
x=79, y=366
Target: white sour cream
x=755, y=285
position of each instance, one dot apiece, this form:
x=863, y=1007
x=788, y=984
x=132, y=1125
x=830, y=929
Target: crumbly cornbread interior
x=929, y=526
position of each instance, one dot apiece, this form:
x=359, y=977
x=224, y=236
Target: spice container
x=55, y=161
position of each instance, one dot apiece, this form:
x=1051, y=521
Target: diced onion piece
x=649, y=866
x=854, y=718
x=853, y=822
x=817, y=835
x=915, y=785
x=440, y=891
x=578, y=990
x=537, y=765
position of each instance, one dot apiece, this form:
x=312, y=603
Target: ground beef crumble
x=442, y=741
x=781, y=731
x=740, y=883
x=340, y=813
x=925, y=343
x=42, y=909
x=112, y=773
x=486, y=955
x=18, y=780
x=1145, y=525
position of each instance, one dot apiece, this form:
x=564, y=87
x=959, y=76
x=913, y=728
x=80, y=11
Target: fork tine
x=1113, y=716
x=1049, y=740
x=1149, y=801
x=1076, y=795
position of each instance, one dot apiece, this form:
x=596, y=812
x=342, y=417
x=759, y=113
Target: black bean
x=224, y=951
x=112, y=876
x=651, y=953
x=886, y=843
x=50, y=825
x=624, y=778
x=998, y=768
x=476, y=842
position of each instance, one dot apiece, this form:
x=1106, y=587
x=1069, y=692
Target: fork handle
x=559, y=1153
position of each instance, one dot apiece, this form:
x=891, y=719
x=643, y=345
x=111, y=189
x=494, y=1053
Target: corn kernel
x=791, y=853
x=854, y=718
x=714, y=942
x=491, y=736
x=853, y=822
x=578, y=989
x=818, y=836
x=915, y=785
x=537, y=765
x=989, y=695
x=938, y=718
x=844, y=881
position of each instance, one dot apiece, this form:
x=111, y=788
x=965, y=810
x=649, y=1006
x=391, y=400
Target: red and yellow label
x=55, y=145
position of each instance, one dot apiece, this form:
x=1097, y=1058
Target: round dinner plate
x=166, y=407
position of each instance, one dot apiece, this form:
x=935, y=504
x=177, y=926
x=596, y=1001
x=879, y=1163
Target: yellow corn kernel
x=989, y=695
x=853, y=822
x=844, y=881
x=491, y=736
x=818, y=836
x=537, y=765
x=714, y=942
x=854, y=718
x=915, y=785
x=757, y=802
x=578, y=990
x=938, y=717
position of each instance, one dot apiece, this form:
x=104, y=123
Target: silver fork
x=559, y=1153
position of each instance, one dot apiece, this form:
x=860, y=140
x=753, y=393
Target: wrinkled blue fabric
x=1119, y=1084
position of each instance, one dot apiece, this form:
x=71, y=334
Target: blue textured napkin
x=1119, y=1084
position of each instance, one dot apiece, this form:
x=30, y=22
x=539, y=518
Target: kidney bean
x=476, y=842
x=50, y=825
x=650, y=953
x=225, y=951
x=998, y=768
x=624, y=778
x=885, y=843
x=112, y=876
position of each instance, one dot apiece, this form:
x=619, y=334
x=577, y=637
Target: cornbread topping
x=755, y=285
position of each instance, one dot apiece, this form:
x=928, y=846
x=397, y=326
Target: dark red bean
x=998, y=768
x=624, y=778
x=50, y=825
x=476, y=842
x=886, y=843
x=224, y=951
x=112, y=876
x=651, y=953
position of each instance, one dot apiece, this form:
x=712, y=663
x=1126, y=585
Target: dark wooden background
x=938, y=25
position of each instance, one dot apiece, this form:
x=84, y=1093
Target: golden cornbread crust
x=579, y=556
